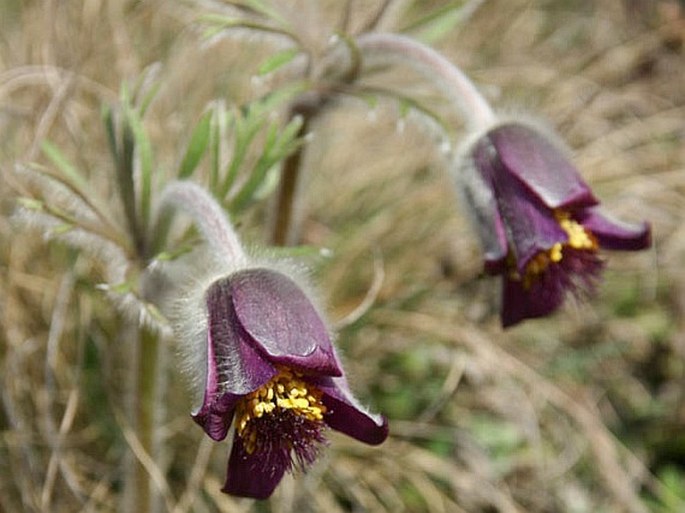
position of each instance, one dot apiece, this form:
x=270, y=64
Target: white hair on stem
x=209, y=217
x=383, y=48
x=222, y=255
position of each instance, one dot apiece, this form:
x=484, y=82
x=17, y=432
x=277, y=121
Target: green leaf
x=437, y=24
x=218, y=129
x=108, y=119
x=264, y=9
x=246, y=127
x=31, y=204
x=275, y=99
x=61, y=229
x=404, y=107
x=62, y=163
x=142, y=143
x=218, y=22
x=277, y=61
x=147, y=88
x=276, y=148
x=196, y=147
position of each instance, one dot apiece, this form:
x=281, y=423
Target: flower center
x=283, y=416
x=579, y=239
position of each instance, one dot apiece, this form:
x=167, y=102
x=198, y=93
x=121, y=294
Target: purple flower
x=273, y=373
x=539, y=223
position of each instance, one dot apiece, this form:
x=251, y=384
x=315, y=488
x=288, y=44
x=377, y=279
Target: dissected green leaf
x=278, y=145
x=437, y=24
x=196, y=147
x=264, y=9
x=62, y=163
x=142, y=143
x=31, y=203
x=218, y=22
x=277, y=61
x=61, y=229
x=218, y=129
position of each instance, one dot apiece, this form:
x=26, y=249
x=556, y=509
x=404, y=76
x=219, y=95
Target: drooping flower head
x=261, y=356
x=273, y=373
x=539, y=223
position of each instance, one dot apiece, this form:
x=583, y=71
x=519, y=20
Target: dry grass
x=583, y=412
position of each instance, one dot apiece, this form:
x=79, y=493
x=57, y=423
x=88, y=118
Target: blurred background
x=581, y=412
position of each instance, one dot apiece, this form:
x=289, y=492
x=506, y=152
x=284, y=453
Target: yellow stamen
x=285, y=391
x=578, y=238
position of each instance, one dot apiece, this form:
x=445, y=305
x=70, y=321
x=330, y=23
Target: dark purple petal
x=531, y=227
x=283, y=323
x=577, y=273
x=216, y=414
x=346, y=415
x=248, y=475
x=614, y=234
x=538, y=300
x=479, y=193
x=234, y=367
x=541, y=166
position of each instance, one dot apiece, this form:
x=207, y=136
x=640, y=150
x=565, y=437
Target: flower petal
x=248, y=475
x=529, y=224
x=541, y=166
x=478, y=192
x=216, y=414
x=577, y=273
x=346, y=415
x=614, y=234
x=234, y=367
x=282, y=321
x=519, y=303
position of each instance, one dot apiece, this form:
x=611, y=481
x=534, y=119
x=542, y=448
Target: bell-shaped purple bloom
x=539, y=223
x=273, y=372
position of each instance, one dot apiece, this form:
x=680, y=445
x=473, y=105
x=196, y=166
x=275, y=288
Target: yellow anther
x=285, y=391
x=300, y=403
x=578, y=238
x=286, y=404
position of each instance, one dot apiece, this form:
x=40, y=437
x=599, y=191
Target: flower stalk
x=285, y=222
x=146, y=407
x=253, y=340
x=383, y=48
x=207, y=215
x=346, y=63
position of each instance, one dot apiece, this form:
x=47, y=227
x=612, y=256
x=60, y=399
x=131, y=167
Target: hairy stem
x=208, y=215
x=381, y=48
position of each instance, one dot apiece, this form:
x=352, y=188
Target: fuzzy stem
x=208, y=215
x=381, y=48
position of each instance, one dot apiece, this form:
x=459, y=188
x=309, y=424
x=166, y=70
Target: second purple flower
x=539, y=223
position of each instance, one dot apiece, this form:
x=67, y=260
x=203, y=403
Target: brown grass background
x=582, y=412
